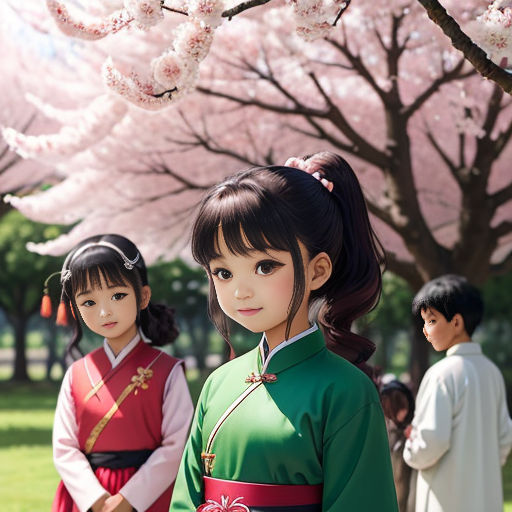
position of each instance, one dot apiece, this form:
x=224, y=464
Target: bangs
x=249, y=220
x=90, y=268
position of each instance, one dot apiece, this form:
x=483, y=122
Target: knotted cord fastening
x=264, y=377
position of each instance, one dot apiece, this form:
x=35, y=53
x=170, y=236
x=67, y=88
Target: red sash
x=231, y=495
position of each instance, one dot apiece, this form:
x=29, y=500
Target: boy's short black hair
x=451, y=294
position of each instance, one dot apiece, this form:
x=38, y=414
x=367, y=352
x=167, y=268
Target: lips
x=249, y=311
x=110, y=325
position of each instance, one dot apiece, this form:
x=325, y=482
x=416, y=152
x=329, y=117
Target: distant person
x=461, y=433
x=124, y=409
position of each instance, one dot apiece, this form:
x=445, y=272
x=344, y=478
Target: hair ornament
x=46, y=302
x=305, y=165
x=128, y=263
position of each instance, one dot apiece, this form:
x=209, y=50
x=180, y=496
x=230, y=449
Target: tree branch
x=263, y=105
x=502, y=196
x=359, y=66
x=444, y=157
x=473, y=53
x=446, y=77
x=229, y=13
x=502, y=229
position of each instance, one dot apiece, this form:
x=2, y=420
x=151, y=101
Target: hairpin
x=304, y=165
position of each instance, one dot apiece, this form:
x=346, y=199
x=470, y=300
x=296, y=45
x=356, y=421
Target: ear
x=145, y=296
x=425, y=333
x=458, y=322
x=319, y=270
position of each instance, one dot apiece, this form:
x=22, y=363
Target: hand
x=116, y=503
x=407, y=431
x=98, y=505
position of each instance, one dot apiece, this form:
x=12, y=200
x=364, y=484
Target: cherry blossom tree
x=429, y=139
x=384, y=87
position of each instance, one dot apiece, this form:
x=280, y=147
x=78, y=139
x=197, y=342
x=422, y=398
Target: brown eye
x=222, y=274
x=265, y=268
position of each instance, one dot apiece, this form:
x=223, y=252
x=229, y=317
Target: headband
x=128, y=263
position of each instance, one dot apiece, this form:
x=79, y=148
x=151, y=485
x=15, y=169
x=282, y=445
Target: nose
x=243, y=290
x=104, y=311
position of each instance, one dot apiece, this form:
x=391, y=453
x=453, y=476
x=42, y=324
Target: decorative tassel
x=46, y=306
x=62, y=317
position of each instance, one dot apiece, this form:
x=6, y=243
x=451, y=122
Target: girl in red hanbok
x=124, y=409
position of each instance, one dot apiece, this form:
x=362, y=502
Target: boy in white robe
x=461, y=433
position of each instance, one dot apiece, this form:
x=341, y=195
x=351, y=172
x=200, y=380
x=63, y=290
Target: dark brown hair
x=156, y=321
x=275, y=207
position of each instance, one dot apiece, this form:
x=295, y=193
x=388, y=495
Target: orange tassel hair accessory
x=62, y=316
x=46, y=302
x=46, y=306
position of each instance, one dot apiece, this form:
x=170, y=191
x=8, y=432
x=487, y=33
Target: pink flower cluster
x=493, y=31
x=147, y=13
x=174, y=72
x=90, y=126
x=315, y=18
x=96, y=30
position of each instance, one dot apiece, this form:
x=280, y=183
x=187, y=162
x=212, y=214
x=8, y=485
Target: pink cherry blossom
x=193, y=40
x=208, y=12
x=147, y=13
x=74, y=27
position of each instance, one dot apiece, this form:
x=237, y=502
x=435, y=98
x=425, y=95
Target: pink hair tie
x=303, y=165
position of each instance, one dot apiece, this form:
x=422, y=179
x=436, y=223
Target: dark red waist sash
x=229, y=495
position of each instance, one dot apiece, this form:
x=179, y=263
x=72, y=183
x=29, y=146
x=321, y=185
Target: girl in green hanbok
x=293, y=425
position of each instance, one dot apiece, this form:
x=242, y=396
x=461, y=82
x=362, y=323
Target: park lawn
x=28, y=478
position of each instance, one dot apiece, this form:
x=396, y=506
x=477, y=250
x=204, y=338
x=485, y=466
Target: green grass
x=27, y=476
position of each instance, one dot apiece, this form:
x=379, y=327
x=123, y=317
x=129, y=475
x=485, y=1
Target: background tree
x=430, y=141
x=22, y=277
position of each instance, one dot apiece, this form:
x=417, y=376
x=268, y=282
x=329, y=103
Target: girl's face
x=255, y=290
x=109, y=311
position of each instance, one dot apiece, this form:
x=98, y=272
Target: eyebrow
x=109, y=287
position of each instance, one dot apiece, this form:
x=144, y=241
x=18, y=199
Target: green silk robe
x=320, y=422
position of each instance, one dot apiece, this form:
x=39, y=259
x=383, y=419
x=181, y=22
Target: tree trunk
x=20, y=360
x=420, y=354
x=52, y=358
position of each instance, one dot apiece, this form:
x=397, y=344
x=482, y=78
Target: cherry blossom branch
x=472, y=52
x=229, y=13
x=171, y=9
x=447, y=76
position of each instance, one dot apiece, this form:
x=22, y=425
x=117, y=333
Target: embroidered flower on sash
x=140, y=380
x=224, y=506
x=264, y=377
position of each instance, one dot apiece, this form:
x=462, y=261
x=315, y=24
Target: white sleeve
x=160, y=470
x=70, y=462
x=504, y=425
x=432, y=424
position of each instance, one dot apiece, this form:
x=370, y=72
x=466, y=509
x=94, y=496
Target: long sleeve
x=160, y=470
x=505, y=427
x=356, y=456
x=70, y=462
x=432, y=424
x=188, y=490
